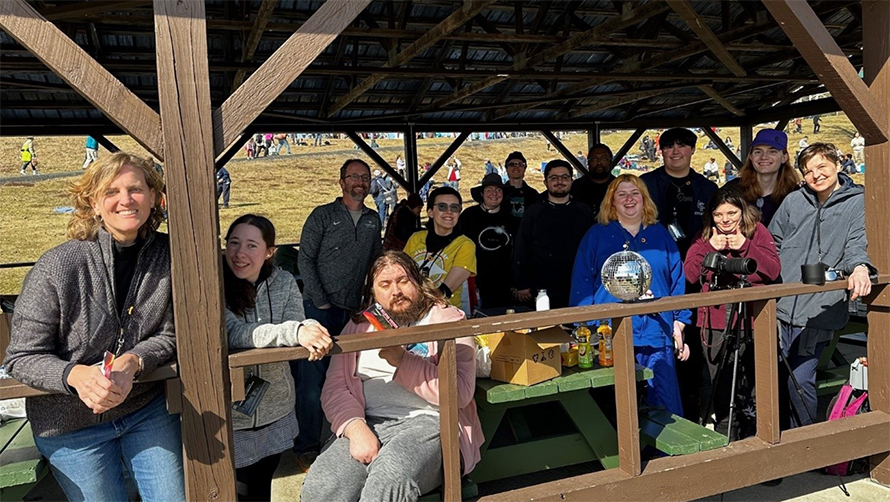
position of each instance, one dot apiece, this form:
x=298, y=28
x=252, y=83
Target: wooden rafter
x=75, y=10
x=827, y=60
x=562, y=149
x=612, y=103
x=721, y=145
x=427, y=40
x=253, y=39
x=201, y=342
x=576, y=41
x=631, y=141
x=716, y=96
x=700, y=27
x=73, y=65
x=380, y=161
x=105, y=142
x=282, y=68
x=444, y=157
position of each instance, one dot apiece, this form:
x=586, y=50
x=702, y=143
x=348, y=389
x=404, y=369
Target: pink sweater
x=343, y=399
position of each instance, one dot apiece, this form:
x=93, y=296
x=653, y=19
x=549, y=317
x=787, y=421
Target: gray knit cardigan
x=67, y=315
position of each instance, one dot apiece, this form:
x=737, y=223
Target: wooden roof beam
x=827, y=60
x=562, y=149
x=451, y=23
x=79, y=9
x=583, y=39
x=716, y=96
x=721, y=145
x=253, y=40
x=700, y=27
x=73, y=65
x=282, y=68
x=459, y=140
x=612, y=103
x=376, y=158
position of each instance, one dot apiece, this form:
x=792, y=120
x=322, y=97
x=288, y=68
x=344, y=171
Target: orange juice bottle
x=605, y=348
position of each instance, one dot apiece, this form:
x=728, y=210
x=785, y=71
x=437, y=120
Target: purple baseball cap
x=772, y=138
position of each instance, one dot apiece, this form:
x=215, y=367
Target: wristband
x=446, y=291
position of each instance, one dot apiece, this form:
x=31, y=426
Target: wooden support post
x=449, y=431
x=102, y=140
x=626, y=397
x=444, y=157
x=825, y=57
x=736, y=161
x=631, y=141
x=282, y=68
x=566, y=153
x=376, y=158
x=876, y=59
x=594, y=136
x=184, y=95
x=766, y=367
x=746, y=137
x=781, y=125
x=73, y=65
x=411, y=161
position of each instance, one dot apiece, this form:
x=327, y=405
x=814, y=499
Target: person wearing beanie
x=404, y=221
x=548, y=239
x=486, y=225
x=767, y=176
x=591, y=189
x=517, y=194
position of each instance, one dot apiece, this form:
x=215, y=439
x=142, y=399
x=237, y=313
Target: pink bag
x=841, y=407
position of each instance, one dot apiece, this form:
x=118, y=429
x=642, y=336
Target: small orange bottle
x=605, y=348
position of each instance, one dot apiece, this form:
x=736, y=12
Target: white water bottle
x=542, y=302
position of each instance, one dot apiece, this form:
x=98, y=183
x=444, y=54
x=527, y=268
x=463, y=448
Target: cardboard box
x=527, y=358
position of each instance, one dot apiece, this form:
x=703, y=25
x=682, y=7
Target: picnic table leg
x=593, y=426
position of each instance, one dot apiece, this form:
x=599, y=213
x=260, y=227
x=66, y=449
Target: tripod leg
x=735, y=373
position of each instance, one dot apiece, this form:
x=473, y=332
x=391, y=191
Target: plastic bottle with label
x=542, y=302
x=605, y=348
x=585, y=357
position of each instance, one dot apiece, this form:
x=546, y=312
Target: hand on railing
x=859, y=282
x=315, y=338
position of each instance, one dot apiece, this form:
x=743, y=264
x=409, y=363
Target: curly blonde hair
x=84, y=226
x=609, y=213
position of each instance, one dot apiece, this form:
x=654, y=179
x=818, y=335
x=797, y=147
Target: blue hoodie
x=656, y=246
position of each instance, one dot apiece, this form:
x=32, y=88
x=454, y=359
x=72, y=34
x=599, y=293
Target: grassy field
x=284, y=188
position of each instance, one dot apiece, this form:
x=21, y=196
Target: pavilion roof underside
x=506, y=64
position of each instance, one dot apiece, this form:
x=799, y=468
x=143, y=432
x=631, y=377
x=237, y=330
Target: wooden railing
x=770, y=454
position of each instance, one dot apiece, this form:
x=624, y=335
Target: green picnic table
x=595, y=437
x=21, y=465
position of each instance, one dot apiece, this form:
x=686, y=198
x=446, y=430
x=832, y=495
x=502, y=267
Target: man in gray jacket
x=340, y=240
x=808, y=322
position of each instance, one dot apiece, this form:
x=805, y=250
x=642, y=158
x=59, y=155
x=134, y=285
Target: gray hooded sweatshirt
x=842, y=242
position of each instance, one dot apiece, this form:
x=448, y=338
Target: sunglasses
x=443, y=207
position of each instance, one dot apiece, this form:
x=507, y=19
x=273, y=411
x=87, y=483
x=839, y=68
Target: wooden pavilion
x=188, y=79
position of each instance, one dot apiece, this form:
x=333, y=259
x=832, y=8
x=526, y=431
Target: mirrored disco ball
x=626, y=275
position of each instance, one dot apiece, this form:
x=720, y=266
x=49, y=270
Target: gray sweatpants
x=408, y=465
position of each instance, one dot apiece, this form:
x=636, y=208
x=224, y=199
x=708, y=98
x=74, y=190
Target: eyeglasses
x=443, y=207
x=358, y=177
x=559, y=177
x=517, y=164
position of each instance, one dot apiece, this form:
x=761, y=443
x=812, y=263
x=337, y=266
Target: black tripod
x=736, y=335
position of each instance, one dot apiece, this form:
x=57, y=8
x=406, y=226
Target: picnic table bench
x=594, y=437
x=21, y=465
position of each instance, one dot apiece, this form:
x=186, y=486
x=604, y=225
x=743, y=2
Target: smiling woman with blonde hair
x=628, y=220
x=104, y=295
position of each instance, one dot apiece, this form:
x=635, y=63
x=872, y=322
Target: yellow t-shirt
x=461, y=252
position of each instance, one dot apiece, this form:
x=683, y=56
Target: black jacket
x=546, y=244
x=659, y=182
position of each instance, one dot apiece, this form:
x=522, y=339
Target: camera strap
x=819, y=229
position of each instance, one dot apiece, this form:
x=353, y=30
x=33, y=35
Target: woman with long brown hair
x=732, y=228
x=767, y=176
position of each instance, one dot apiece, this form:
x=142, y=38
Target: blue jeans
x=803, y=365
x=88, y=463
x=381, y=211
x=309, y=379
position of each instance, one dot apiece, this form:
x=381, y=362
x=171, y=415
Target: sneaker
x=34, y=172
x=305, y=460
x=22, y=173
